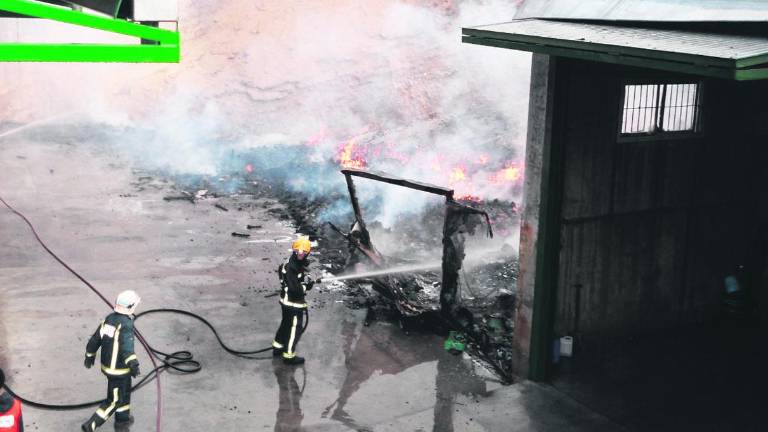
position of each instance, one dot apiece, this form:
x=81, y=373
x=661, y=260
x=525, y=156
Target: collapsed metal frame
x=456, y=217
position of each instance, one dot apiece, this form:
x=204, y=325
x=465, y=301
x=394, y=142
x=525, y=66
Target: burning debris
x=420, y=291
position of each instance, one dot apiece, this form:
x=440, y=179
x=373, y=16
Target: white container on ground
x=566, y=346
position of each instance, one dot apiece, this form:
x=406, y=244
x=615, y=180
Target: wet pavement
x=113, y=227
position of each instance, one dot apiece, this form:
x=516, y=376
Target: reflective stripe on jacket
x=293, y=286
x=115, y=338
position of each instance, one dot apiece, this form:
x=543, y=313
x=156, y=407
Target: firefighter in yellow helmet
x=294, y=284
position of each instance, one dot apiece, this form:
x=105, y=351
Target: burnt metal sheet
x=647, y=10
x=700, y=53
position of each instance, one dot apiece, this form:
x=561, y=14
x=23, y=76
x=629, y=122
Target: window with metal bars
x=653, y=109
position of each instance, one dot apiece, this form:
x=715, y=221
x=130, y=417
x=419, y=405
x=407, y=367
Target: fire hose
x=174, y=360
x=181, y=361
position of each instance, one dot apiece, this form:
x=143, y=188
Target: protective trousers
x=118, y=402
x=289, y=332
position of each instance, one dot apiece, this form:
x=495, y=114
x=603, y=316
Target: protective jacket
x=115, y=338
x=10, y=414
x=293, y=283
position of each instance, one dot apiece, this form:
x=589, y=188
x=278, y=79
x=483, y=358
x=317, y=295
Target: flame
x=458, y=174
x=469, y=197
x=349, y=156
x=513, y=173
x=470, y=176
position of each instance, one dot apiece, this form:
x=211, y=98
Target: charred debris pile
x=460, y=290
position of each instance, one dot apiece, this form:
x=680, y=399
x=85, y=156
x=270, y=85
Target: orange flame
x=469, y=197
x=348, y=157
x=458, y=174
x=513, y=173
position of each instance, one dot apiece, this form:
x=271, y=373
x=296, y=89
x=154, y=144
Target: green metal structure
x=164, y=45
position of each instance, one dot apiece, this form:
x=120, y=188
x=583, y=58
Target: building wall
x=650, y=228
x=537, y=168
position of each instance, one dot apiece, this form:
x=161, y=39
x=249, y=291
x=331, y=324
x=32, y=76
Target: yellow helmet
x=302, y=244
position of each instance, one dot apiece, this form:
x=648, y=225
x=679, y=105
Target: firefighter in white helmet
x=294, y=284
x=118, y=362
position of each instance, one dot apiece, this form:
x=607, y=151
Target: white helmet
x=126, y=302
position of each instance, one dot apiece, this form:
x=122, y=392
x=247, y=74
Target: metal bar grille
x=639, y=108
x=656, y=108
x=681, y=106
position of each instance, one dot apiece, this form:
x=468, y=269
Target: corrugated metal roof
x=691, y=52
x=647, y=10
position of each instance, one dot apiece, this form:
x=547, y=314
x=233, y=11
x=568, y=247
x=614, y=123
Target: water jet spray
x=381, y=272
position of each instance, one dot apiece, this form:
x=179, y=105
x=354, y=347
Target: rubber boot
x=88, y=426
x=293, y=360
x=277, y=352
x=124, y=425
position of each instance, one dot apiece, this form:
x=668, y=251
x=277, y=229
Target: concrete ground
x=113, y=227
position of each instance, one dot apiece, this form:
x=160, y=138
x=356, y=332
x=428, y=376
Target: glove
x=134, y=369
x=310, y=283
x=89, y=361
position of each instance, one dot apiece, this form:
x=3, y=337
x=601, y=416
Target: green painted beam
x=167, y=51
x=751, y=74
x=89, y=53
x=39, y=10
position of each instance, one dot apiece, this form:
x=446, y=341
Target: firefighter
x=294, y=284
x=10, y=410
x=118, y=362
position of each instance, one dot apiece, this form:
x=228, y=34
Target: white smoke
x=274, y=73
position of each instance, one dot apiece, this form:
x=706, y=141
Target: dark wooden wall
x=650, y=228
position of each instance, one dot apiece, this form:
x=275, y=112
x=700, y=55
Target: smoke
x=289, y=87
